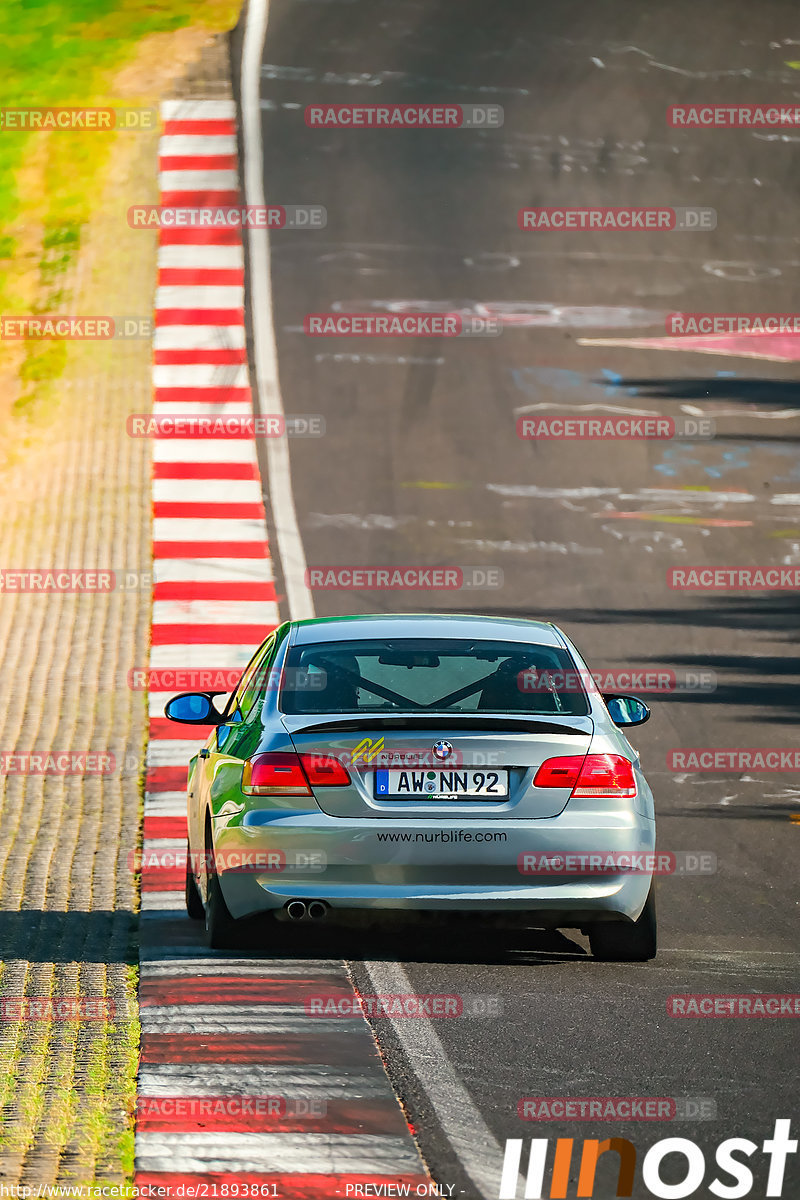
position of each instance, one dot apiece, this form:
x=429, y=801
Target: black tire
x=220, y=925
x=194, y=902
x=627, y=941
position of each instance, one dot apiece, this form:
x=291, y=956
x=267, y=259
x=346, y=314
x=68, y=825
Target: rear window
x=445, y=676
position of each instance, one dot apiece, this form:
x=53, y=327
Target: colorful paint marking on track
x=238, y=1085
x=774, y=347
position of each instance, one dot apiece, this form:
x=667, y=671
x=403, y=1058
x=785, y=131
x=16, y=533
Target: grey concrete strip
x=228, y=1079
x=313, y=1153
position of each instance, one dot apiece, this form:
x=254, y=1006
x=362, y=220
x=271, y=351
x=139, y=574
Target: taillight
x=323, y=771
x=282, y=773
x=558, y=772
x=276, y=774
x=605, y=776
x=595, y=777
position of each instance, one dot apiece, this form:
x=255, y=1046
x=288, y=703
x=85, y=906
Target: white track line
x=462, y=1124
x=267, y=396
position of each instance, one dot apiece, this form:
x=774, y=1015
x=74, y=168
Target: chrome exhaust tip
x=296, y=910
x=317, y=911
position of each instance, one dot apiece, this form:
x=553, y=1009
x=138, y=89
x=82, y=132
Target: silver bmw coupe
x=426, y=764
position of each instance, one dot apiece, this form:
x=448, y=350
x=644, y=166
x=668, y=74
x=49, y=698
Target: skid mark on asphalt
x=238, y=1084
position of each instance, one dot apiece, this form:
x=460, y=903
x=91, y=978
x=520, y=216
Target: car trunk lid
x=485, y=743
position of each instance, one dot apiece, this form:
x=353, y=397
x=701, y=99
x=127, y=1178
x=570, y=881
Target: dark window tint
x=449, y=676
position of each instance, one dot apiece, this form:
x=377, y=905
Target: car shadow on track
x=100, y=936
x=406, y=943
x=740, y=389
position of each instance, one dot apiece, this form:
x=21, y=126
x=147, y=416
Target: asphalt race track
x=421, y=464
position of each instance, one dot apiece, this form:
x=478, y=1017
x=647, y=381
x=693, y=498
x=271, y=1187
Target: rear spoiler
x=465, y=724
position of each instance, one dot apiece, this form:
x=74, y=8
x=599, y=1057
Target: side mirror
x=194, y=708
x=626, y=710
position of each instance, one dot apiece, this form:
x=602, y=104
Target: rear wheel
x=194, y=903
x=220, y=925
x=623, y=941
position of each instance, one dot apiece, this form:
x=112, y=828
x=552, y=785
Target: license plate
x=398, y=784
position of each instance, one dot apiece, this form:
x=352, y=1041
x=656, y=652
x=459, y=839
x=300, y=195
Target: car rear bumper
x=433, y=865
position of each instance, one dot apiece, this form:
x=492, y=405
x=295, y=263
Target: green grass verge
x=61, y=54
